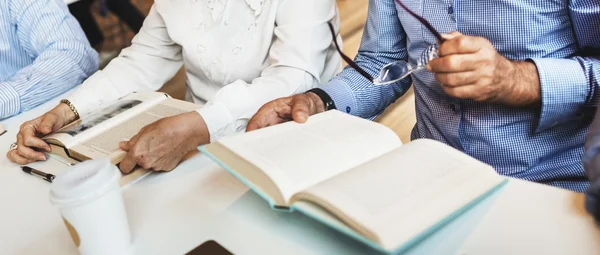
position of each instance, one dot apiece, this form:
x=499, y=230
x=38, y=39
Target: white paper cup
x=89, y=198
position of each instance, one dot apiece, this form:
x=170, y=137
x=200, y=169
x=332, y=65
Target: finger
x=48, y=124
x=272, y=113
x=16, y=158
x=128, y=163
x=451, y=35
x=301, y=108
x=124, y=145
x=267, y=119
x=454, y=63
x=28, y=134
x=165, y=165
x=462, y=45
x=30, y=154
x=27, y=152
x=133, y=141
x=471, y=91
x=457, y=79
x=34, y=141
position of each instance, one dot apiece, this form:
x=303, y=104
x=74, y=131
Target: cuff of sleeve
x=217, y=119
x=564, y=91
x=341, y=95
x=592, y=200
x=10, y=102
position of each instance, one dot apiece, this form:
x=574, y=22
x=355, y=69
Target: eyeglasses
x=398, y=70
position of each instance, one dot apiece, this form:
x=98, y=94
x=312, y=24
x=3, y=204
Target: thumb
x=124, y=145
x=48, y=124
x=451, y=35
x=301, y=108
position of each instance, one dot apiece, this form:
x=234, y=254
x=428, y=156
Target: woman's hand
x=29, y=142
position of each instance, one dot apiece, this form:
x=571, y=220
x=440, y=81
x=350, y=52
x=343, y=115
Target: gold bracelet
x=68, y=103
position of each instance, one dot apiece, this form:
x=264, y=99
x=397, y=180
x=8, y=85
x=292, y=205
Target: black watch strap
x=327, y=101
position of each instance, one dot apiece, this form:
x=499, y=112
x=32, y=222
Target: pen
x=46, y=176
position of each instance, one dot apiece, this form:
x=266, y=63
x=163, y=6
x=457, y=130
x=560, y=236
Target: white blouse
x=238, y=55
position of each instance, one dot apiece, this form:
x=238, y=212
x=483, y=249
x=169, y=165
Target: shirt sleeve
x=591, y=164
x=383, y=42
x=296, y=62
x=569, y=85
x=151, y=60
x=63, y=56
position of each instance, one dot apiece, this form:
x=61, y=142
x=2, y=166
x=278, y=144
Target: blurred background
x=353, y=14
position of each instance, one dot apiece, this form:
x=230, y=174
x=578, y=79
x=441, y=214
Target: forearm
x=52, y=73
x=526, y=84
x=63, y=57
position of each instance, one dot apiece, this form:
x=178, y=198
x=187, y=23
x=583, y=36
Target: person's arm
x=568, y=85
x=384, y=41
x=63, y=57
x=151, y=60
x=296, y=62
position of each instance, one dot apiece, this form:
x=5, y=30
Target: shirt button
x=348, y=109
x=453, y=107
x=450, y=9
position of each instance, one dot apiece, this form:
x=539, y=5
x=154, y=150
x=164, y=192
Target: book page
x=296, y=156
x=108, y=141
x=397, y=196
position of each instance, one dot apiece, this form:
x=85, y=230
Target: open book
x=98, y=134
x=356, y=176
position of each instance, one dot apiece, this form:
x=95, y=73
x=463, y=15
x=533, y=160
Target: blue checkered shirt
x=544, y=144
x=43, y=53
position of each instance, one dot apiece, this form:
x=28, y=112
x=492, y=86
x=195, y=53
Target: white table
x=174, y=212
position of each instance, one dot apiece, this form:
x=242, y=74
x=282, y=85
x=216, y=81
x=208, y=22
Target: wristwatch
x=327, y=101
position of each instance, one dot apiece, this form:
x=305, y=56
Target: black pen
x=46, y=176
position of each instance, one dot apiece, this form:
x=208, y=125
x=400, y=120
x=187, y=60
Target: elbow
x=83, y=56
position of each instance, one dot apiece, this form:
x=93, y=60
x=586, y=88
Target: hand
x=28, y=138
x=469, y=67
x=297, y=107
x=161, y=145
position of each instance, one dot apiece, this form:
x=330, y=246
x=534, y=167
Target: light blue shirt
x=43, y=53
x=538, y=144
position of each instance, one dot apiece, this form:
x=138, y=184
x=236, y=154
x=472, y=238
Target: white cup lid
x=84, y=182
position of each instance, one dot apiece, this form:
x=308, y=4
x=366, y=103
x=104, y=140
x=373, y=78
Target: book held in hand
x=98, y=134
x=356, y=176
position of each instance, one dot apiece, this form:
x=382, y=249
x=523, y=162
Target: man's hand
x=297, y=107
x=161, y=145
x=28, y=138
x=469, y=67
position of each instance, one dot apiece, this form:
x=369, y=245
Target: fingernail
x=302, y=118
x=42, y=158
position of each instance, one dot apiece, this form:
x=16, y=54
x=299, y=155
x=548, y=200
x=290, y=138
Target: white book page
x=405, y=192
x=296, y=156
